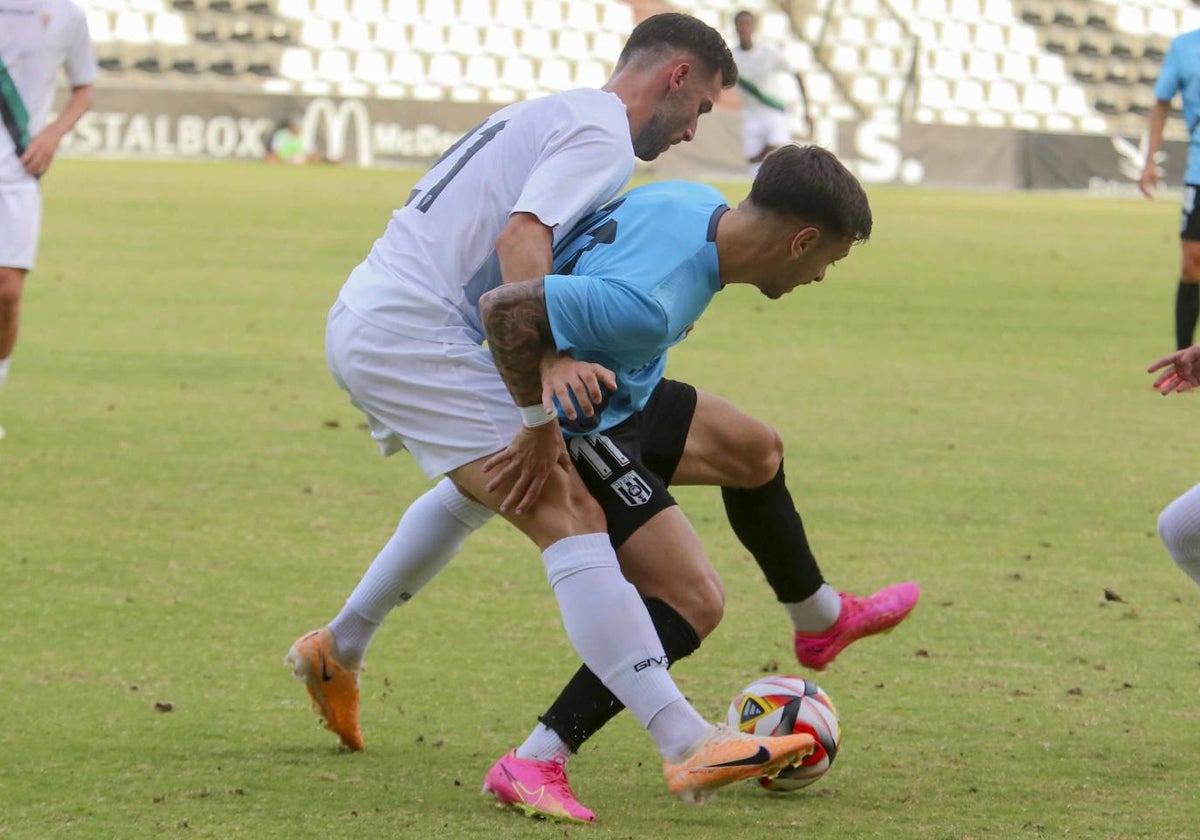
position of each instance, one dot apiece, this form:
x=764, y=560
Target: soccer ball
x=781, y=706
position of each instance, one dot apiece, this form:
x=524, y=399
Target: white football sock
x=1179, y=527
x=430, y=533
x=4, y=366
x=544, y=744
x=678, y=728
x=817, y=612
x=611, y=631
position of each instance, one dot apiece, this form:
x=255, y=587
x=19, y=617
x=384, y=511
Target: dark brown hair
x=660, y=36
x=810, y=183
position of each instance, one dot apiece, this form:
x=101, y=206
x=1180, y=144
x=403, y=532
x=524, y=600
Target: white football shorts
x=444, y=403
x=20, y=226
x=762, y=127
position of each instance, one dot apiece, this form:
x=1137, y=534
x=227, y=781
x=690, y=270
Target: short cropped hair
x=661, y=35
x=810, y=183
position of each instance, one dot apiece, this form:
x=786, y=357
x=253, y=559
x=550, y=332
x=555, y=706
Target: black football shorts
x=629, y=467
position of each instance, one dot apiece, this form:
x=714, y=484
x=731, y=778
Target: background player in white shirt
x=37, y=37
x=404, y=340
x=766, y=124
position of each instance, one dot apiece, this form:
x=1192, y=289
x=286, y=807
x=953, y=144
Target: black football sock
x=586, y=704
x=766, y=521
x=1187, y=308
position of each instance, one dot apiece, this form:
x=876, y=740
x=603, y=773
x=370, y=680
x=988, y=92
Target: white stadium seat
x=512, y=12
x=330, y=9
x=590, y=73
x=554, y=74
x=547, y=13
x=402, y=11
x=983, y=65
x=500, y=41
x=390, y=36
x=517, y=72
x=334, y=66
x=573, y=44
x=353, y=35
x=297, y=9
x=445, y=69
x=169, y=28
x=371, y=66
x=296, y=64
x=99, y=26
x=1003, y=97
x=132, y=28
x=317, y=33
x=616, y=17
x=481, y=71
x=463, y=38
x=478, y=12
x=427, y=37
x=368, y=11
x=535, y=43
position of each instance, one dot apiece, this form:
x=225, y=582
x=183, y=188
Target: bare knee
x=701, y=602
x=761, y=453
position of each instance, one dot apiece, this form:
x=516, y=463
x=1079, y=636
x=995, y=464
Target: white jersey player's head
x=671, y=71
x=744, y=22
x=804, y=212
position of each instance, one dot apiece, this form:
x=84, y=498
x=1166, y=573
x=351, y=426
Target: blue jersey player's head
x=803, y=213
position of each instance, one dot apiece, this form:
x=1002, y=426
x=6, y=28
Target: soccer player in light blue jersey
x=1180, y=74
x=628, y=286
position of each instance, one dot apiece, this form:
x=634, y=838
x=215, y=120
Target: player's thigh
x=443, y=402
x=20, y=226
x=564, y=509
x=754, y=134
x=778, y=129
x=665, y=559
x=727, y=447
x=611, y=468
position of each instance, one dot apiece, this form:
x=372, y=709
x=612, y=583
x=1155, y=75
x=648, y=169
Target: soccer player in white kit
x=404, y=339
x=37, y=37
x=765, y=122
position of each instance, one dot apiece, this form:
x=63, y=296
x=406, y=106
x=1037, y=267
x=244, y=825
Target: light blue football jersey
x=1181, y=74
x=630, y=282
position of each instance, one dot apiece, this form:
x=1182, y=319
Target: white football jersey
x=559, y=157
x=762, y=65
x=37, y=37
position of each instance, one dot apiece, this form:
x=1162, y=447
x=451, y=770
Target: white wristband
x=533, y=416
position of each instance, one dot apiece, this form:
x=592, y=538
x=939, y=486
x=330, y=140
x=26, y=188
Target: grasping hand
x=574, y=382
x=1182, y=371
x=524, y=465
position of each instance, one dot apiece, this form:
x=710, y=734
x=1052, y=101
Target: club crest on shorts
x=632, y=489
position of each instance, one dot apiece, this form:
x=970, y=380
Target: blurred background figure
x=765, y=121
x=1180, y=74
x=37, y=37
x=288, y=145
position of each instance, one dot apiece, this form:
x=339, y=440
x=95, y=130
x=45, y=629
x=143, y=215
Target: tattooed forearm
x=518, y=333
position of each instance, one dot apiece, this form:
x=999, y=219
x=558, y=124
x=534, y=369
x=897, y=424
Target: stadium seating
x=1058, y=65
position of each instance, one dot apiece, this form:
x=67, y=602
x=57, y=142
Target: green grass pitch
x=183, y=491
